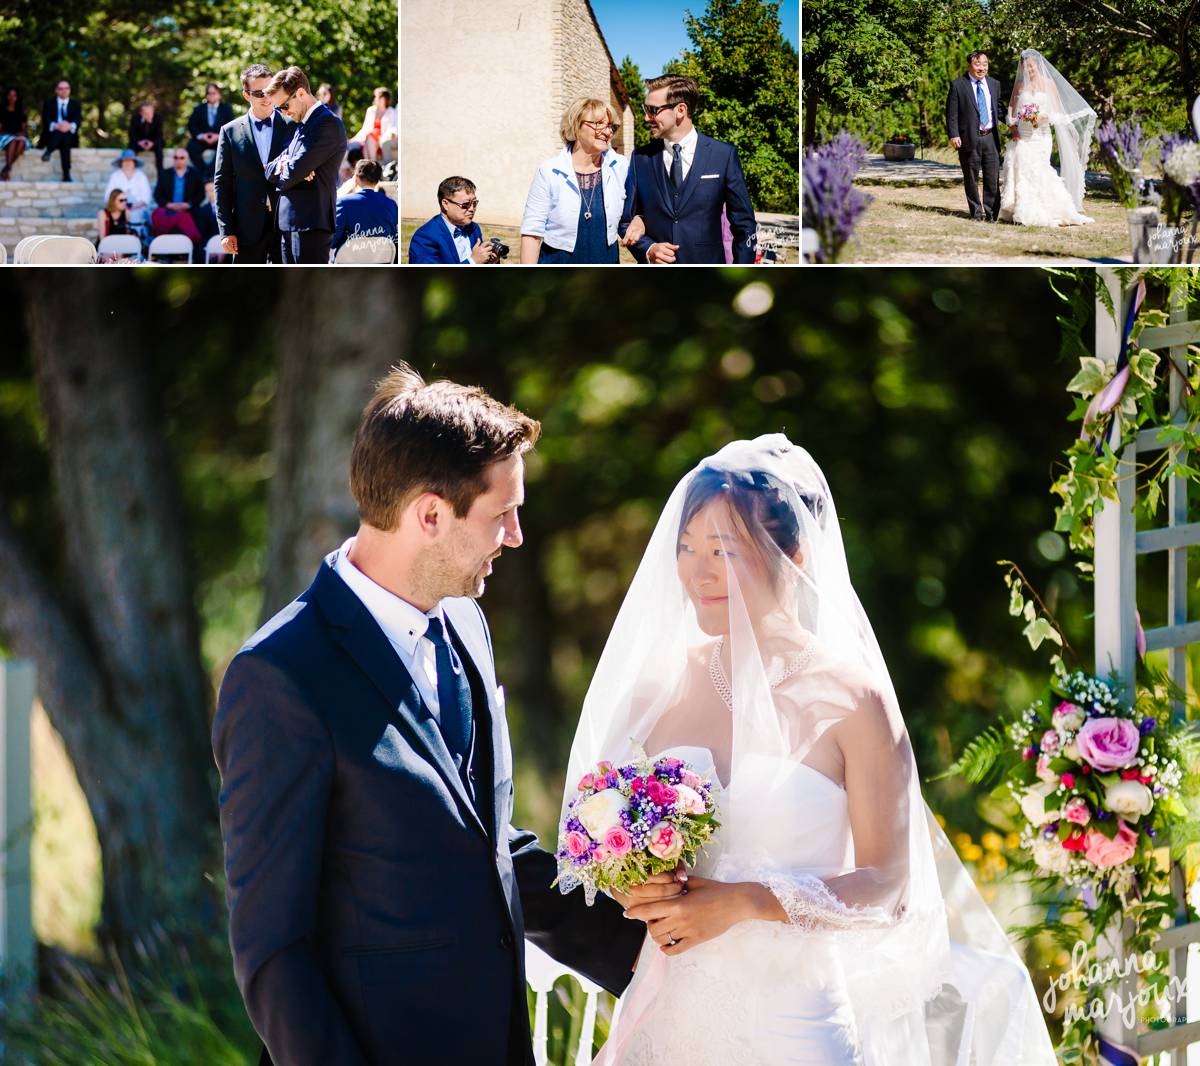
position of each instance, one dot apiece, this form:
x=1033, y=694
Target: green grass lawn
x=919, y=224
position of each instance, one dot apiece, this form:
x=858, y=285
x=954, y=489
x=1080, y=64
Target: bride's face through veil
x=739, y=526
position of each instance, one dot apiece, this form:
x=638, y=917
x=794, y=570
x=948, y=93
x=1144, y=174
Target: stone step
x=51, y=199
x=13, y=229
x=93, y=164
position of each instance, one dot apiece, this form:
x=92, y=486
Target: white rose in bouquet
x=1033, y=803
x=1050, y=855
x=1129, y=799
x=599, y=813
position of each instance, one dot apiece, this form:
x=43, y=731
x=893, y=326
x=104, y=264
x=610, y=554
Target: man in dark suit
x=379, y=896
x=306, y=172
x=680, y=182
x=204, y=128
x=453, y=236
x=973, y=126
x=366, y=212
x=178, y=193
x=146, y=134
x=61, y=119
x=246, y=202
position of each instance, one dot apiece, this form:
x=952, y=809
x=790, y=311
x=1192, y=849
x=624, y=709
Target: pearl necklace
x=796, y=661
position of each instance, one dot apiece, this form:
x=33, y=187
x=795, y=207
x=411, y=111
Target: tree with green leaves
x=750, y=88
x=636, y=88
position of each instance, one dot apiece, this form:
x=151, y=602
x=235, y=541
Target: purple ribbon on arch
x=1117, y=1054
x=1109, y=396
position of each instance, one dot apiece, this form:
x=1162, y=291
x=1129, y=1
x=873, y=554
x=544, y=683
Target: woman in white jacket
x=130, y=179
x=577, y=196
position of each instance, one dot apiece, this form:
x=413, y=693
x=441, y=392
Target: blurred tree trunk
x=335, y=340
x=114, y=632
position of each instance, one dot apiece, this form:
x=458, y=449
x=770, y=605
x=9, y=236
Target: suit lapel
x=359, y=634
x=447, y=240
x=699, y=158
x=280, y=136
x=660, y=175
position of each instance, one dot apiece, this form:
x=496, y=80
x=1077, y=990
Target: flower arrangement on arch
x=627, y=823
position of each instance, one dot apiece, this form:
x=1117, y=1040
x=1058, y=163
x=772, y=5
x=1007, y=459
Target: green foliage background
x=116, y=53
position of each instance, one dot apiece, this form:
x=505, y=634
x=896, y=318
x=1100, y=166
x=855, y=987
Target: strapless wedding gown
x=762, y=993
x=1034, y=193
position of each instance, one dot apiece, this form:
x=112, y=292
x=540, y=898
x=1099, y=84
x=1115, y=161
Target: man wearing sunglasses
x=306, y=172
x=682, y=182
x=453, y=236
x=246, y=203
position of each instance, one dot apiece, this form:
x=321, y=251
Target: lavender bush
x=832, y=205
x=1122, y=146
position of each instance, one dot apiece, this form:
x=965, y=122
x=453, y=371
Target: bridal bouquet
x=628, y=823
x=1029, y=113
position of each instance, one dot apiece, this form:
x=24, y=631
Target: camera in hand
x=499, y=247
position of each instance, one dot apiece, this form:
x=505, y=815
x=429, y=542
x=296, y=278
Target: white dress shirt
x=688, y=144
x=987, y=100
x=62, y=111
x=402, y=623
x=262, y=137
x=462, y=244
x=136, y=188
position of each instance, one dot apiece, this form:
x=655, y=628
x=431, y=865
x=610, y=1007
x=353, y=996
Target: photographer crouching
x=452, y=236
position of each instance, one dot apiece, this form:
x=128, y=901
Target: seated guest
x=204, y=127
x=206, y=213
x=129, y=177
x=325, y=95
x=452, y=236
x=577, y=196
x=114, y=216
x=366, y=212
x=146, y=134
x=61, y=119
x=377, y=138
x=13, y=130
x=178, y=194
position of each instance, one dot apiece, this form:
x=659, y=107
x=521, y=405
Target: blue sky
x=652, y=31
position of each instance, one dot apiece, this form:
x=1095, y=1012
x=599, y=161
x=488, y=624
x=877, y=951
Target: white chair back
x=3, y=254
x=23, y=246
x=122, y=244
x=62, y=251
x=213, y=248
x=168, y=244
x=366, y=250
x=541, y=972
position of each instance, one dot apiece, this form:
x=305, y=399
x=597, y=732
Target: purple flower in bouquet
x=832, y=205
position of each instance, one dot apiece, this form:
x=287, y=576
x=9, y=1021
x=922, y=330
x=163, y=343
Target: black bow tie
x=263, y=124
x=460, y=232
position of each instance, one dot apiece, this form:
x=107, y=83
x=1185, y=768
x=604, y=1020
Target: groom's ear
x=430, y=512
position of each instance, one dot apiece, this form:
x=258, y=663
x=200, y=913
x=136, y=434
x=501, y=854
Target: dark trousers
x=156, y=151
x=305, y=246
x=60, y=143
x=264, y=250
x=195, y=150
x=985, y=157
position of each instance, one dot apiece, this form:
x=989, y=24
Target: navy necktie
x=677, y=168
x=981, y=104
x=454, y=692
x=264, y=124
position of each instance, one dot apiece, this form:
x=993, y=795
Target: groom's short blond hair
x=438, y=437
x=585, y=108
x=290, y=80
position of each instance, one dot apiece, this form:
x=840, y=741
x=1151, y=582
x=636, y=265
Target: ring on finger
x=671, y=941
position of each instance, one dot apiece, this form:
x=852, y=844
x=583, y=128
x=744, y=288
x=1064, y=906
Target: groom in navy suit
x=680, y=182
x=246, y=202
x=379, y=896
x=306, y=172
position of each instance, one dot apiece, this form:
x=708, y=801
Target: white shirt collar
x=688, y=144
x=312, y=111
x=402, y=623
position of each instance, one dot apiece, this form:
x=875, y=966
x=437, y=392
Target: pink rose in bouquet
x=618, y=841
x=1102, y=851
x=1076, y=810
x=665, y=841
x=1108, y=743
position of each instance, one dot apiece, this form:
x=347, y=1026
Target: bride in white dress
x=1034, y=194
x=830, y=922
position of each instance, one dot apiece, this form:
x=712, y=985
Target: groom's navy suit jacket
x=962, y=112
x=317, y=147
x=715, y=180
x=376, y=913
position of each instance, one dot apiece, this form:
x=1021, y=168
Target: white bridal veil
x=741, y=635
x=1071, y=117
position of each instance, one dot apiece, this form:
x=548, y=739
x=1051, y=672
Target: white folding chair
x=62, y=251
x=366, y=250
x=169, y=244
x=213, y=249
x=23, y=245
x=3, y=254
x=541, y=972
x=121, y=244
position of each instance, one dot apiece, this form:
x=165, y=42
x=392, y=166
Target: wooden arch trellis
x=1118, y=544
